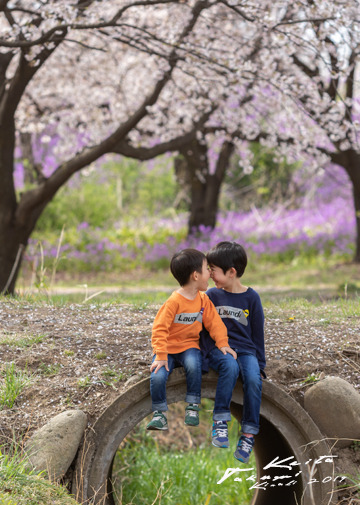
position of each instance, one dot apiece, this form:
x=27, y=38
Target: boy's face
x=203, y=277
x=221, y=280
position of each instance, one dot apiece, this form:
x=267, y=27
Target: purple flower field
x=320, y=222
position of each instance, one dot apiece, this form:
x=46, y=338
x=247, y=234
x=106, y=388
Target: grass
x=314, y=279
x=14, y=340
x=21, y=486
x=325, y=312
x=111, y=377
x=100, y=355
x=147, y=469
x=325, y=292
x=49, y=369
x=13, y=382
x=84, y=382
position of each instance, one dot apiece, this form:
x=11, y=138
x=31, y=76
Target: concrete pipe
x=294, y=463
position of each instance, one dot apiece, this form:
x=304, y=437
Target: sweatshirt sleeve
x=214, y=325
x=257, y=332
x=160, y=330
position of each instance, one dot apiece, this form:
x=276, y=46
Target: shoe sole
x=188, y=424
x=153, y=428
x=239, y=458
x=222, y=446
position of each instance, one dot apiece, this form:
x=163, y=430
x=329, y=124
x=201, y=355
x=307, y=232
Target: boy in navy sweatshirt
x=241, y=310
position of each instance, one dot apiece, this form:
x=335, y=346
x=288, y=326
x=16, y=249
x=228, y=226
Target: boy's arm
x=160, y=335
x=216, y=328
x=258, y=336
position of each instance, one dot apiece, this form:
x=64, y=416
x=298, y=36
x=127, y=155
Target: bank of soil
x=84, y=355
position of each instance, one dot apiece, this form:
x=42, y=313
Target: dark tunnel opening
x=290, y=452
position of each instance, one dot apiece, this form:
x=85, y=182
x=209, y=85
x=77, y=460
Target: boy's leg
x=228, y=371
x=252, y=386
x=158, y=382
x=191, y=361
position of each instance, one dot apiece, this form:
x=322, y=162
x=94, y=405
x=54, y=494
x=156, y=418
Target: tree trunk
x=204, y=203
x=350, y=161
x=14, y=238
x=204, y=186
x=13, y=242
x=353, y=170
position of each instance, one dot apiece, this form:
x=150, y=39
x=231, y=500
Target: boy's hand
x=228, y=350
x=157, y=364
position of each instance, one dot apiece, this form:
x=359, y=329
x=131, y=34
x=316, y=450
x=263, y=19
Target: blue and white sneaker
x=219, y=435
x=244, y=447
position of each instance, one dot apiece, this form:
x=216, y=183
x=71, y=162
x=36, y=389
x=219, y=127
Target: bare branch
x=306, y=20
x=38, y=197
x=3, y=4
x=77, y=26
x=238, y=11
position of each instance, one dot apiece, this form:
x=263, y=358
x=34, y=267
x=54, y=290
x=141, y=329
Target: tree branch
x=305, y=20
x=77, y=26
x=148, y=153
x=40, y=196
x=226, y=152
x=24, y=73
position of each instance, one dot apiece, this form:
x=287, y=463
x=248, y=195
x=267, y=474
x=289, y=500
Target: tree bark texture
x=350, y=161
x=204, y=186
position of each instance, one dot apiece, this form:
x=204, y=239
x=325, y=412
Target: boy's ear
x=233, y=272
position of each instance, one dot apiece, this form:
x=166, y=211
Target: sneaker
x=244, y=448
x=220, y=434
x=158, y=422
x=192, y=414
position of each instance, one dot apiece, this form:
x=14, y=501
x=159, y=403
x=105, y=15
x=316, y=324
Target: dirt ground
x=84, y=355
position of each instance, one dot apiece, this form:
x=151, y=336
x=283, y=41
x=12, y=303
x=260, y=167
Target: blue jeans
x=191, y=361
x=228, y=369
x=249, y=371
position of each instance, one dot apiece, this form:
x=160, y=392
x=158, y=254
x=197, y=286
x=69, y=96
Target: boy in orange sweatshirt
x=175, y=336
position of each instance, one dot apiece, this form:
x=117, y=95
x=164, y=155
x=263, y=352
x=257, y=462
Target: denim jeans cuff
x=192, y=398
x=159, y=406
x=222, y=416
x=249, y=428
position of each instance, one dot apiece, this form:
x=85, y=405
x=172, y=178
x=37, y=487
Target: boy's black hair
x=184, y=263
x=226, y=255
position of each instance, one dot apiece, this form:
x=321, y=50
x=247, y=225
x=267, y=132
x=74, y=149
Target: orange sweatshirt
x=179, y=321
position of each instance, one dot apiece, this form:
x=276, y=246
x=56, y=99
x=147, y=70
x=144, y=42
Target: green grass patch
x=49, y=369
x=14, y=340
x=21, y=486
x=111, y=377
x=324, y=312
x=149, y=470
x=137, y=299
x=12, y=383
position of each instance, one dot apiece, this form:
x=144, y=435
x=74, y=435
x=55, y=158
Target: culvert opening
x=179, y=465
x=289, y=443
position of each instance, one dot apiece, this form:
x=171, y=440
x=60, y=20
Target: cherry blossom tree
x=328, y=68
x=299, y=97
x=315, y=93
x=100, y=74
x=143, y=77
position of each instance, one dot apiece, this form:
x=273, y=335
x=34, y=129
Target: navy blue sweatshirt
x=243, y=316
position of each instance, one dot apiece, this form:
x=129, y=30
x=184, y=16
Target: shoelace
x=192, y=413
x=245, y=444
x=220, y=432
x=159, y=417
